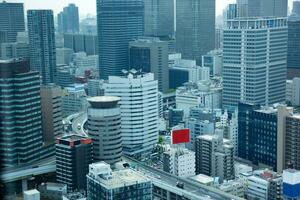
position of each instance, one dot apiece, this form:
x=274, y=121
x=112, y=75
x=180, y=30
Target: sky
x=89, y=6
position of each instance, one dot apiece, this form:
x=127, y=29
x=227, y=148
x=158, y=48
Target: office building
x=262, y=8
x=73, y=156
x=12, y=21
x=65, y=76
x=175, y=117
x=264, y=184
x=88, y=25
x=14, y=50
x=151, y=55
x=74, y=100
x=293, y=55
x=214, y=156
x=31, y=195
x=207, y=94
x=234, y=187
x=113, y=38
x=81, y=43
x=95, y=87
x=53, y=191
x=291, y=184
x=68, y=19
x=159, y=18
x=63, y=56
x=84, y=62
x=104, y=127
x=231, y=11
x=51, y=112
x=125, y=184
x=254, y=70
x=139, y=110
x=180, y=162
x=42, y=44
x=20, y=111
x=195, y=28
x=182, y=71
x=213, y=60
x=296, y=8
x=293, y=91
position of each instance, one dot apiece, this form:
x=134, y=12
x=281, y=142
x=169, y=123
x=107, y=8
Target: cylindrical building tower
x=104, y=127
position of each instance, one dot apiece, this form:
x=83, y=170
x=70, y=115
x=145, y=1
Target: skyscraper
x=119, y=22
x=293, y=56
x=159, y=18
x=262, y=8
x=68, y=19
x=12, y=20
x=104, y=127
x=20, y=113
x=73, y=156
x=195, y=28
x=151, y=55
x=254, y=61
x=296, y=8
x=139, y=111
x=42, y=44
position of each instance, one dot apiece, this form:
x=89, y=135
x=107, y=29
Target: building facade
x=42, y=44
x=195, y=28
x=20, y=111
x=81, y=42
x=68, y=19
x=139, y=111
x=293, y=56
x=104, y=127
x=254, y=61
x=73, y=156
x=113, y=38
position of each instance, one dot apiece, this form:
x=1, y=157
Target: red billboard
x=180, y=136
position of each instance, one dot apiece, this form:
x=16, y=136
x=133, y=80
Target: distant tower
x=195, y=28
x=119, y=22
x=68, y=19
x=11, y=21
x=104, y=127
x=42, y=44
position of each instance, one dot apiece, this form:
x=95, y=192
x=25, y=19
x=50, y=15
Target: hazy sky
x=88, y=6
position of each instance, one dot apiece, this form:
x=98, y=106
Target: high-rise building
x=159, y=18
x=68, y=19
x=254, y=61
x=42, y=44
x=125, y=184
x=73, y=156
x=231, y=11
x=14, y=50
x=20, y=111
x=262, y=8
x=296, y=8
x=214, y=156
x=113, y=38
x=180, y=162
x=81, y=42
x=151, y=55
x=291, y=184
x=12, y=21
x=175, y=116
x=104, y=127
x=195, y=28
x=51, y=112
x=139, y=110
x=213, y=60
x=293, y=53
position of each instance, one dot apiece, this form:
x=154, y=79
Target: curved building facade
x=104, y=127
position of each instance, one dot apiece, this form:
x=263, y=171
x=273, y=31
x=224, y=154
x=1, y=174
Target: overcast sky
x=88, y=6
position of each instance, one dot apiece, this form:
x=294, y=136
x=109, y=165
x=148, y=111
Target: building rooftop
x=204, y=179
x=104, y=101
x=31, y=192
x=102, y=173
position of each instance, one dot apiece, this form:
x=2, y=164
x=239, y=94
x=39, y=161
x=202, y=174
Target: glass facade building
x=20, y=114
x=119, y=22
x=42, y=44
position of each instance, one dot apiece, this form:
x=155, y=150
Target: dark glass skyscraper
x=11, y=20
x=20, y=113
x=293, y=56
x=119, y=22
x=195, y=28
x=42, y=44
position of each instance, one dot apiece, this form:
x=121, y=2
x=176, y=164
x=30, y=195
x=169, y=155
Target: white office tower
x=31, y=195
x=254, y=61
x=206, y=94
x=180, y=162
x=214, y=156
x=139, y=110
x=104, y=127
